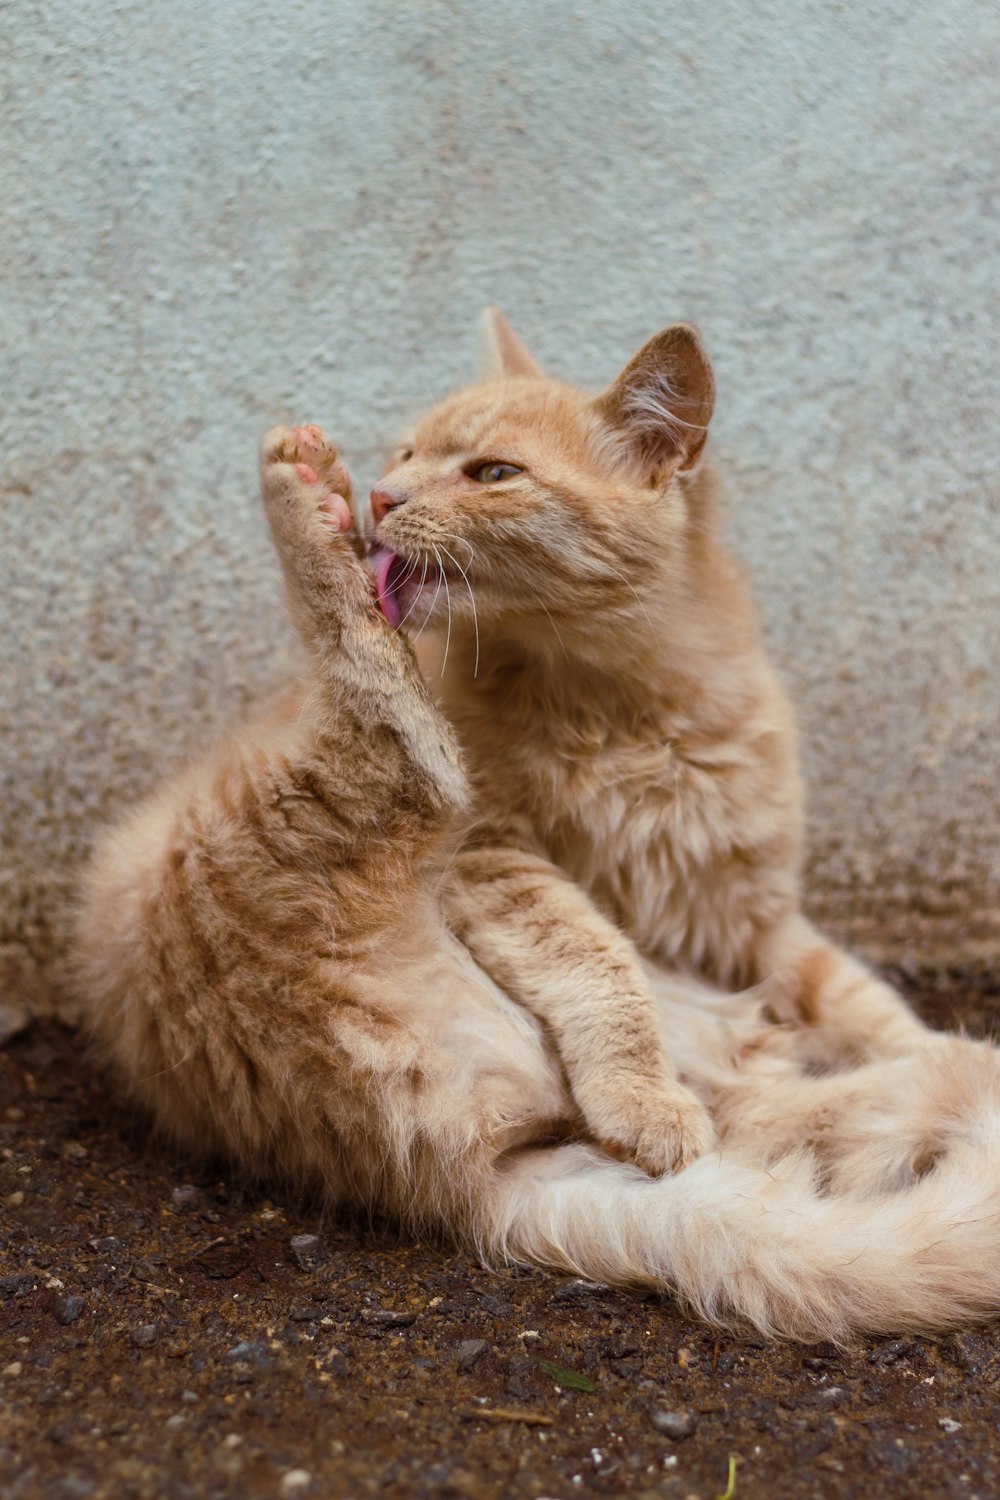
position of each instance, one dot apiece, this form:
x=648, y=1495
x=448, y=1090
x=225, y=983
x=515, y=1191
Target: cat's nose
x=383, y=501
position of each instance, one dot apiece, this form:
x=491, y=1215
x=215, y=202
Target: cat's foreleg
x=366, y=673
x=539, y=937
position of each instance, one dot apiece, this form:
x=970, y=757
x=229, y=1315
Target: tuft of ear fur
x=661, y=404
x=508, y=356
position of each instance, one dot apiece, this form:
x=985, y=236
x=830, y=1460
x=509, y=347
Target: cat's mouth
x=394, y=573
x=391, y=572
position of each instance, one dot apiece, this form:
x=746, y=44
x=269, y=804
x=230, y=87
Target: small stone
x=831, y=1395
x=675, y=1425
x=14, y=1368
x=580, y=1291
x=174, y=1423
x=294, y=1480
x=185, y=1197
x=66, y=1310
x=14, y=1019
x=384, y=1317
x=249, y=1352
x=891, y=1353
x=17, y=1286
x=469, y=1350
x=109, y=1244
x=144, y=1335
x=301, y=1314
x=948, y=1424
x=75, y=1487
x=73, y=1151
x=190, y=1398
x=307, y=1251
x=966, y=1350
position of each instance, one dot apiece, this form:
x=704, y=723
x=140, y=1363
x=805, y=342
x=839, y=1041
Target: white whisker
x=472, y=597
x=635, y=591
x=433, y=603
x=423, y=580
x=454, y=537
x=447, y=595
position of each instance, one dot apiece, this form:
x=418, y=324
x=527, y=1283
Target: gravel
x=235, y=1342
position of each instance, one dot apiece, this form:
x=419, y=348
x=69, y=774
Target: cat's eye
x=493, y=473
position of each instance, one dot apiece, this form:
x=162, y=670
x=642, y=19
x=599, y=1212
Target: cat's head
x=523, y=498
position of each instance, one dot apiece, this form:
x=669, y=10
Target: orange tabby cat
x=264, y=952
x=625, y=733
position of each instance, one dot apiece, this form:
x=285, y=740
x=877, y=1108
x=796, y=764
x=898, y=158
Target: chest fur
x=685, y=840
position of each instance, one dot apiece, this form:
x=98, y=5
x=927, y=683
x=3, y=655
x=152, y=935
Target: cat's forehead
x=501, y=411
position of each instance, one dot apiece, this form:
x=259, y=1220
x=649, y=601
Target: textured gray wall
x=217, y=213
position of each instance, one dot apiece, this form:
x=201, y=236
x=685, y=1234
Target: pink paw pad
x=307, y=474
x=336, y=511
x=310, y=437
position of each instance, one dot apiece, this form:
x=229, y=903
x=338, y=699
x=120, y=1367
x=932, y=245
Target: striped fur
x=267, y=954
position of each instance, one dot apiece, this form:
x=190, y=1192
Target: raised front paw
x=661, y=1127
x=306, y=492
x=301, y=462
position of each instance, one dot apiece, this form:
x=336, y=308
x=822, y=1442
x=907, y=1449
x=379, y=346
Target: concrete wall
x=217, y=213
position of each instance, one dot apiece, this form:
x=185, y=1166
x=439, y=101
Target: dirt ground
x=167, y=1331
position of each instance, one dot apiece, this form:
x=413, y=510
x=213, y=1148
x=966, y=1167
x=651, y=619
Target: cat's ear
x=661, y=404
x=508, y=356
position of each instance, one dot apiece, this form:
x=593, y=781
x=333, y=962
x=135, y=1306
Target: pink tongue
x=389, y=572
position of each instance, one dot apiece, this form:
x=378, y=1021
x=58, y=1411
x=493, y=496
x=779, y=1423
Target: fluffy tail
x=742, y=1245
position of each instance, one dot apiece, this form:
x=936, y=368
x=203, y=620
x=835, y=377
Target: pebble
x=144, y=1335
x=13, y=1020
x=580, y=1291
x=73, y=1151
x=383, y=1317
x=674, y=1424
x=307, y=1251
x=831, y=1395
x=295, y=1479
x=185, y=1197
x=890, y=1353
x=17, y=1286
x=66, y=1310
x=14, y=1368
x=249, y=1352
x=469, y=1350
x=948, y=1424
x=106, y=1245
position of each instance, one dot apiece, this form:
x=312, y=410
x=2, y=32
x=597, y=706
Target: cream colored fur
x=266, y=952
x=633, y=756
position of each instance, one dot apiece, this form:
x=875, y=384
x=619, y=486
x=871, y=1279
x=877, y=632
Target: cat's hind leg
x=842, y=1011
